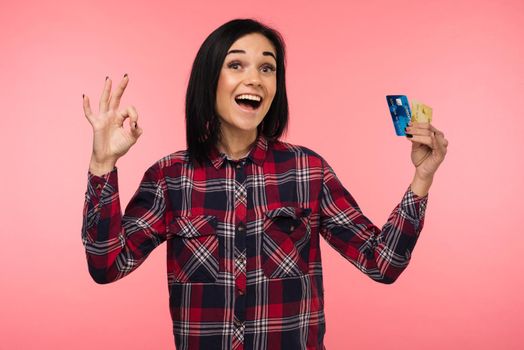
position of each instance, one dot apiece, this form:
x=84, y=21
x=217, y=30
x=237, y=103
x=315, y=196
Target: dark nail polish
x=125, y=75
x=409, y=136
x=83, y=96
x=107, y=77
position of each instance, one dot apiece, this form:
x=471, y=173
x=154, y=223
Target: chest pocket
x=194, y=253
x=286, y=242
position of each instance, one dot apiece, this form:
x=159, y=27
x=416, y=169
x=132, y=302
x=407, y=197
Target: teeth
x=249, y=97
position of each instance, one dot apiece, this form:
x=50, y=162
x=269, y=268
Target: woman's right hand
x=110, y=139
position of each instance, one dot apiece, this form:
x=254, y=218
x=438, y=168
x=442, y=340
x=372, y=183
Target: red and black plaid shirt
x=243, y=258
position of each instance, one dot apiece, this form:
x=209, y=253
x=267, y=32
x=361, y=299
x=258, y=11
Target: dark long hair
x=202, y=122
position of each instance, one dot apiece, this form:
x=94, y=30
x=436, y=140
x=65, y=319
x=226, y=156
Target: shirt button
x=238, y=323
x=239, y=165
x=241, y=227
x=98, y=186
x=240, y=292
x=291, y=228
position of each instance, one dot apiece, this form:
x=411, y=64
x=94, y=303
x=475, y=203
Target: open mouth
x=249, y=101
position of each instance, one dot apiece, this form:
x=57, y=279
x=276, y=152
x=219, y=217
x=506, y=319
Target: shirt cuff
x=413, y=205
x=106, y=183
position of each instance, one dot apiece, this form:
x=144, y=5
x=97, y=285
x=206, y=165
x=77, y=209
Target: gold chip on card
x=420, y=112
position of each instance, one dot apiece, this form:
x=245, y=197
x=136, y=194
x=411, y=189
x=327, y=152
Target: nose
x=253, y=78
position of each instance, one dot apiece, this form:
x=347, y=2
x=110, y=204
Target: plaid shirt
x=243, y=259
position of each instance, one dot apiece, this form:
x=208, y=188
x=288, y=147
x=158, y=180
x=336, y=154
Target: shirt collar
x=257, y=154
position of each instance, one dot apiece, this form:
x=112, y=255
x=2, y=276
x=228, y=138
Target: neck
x=236, y=145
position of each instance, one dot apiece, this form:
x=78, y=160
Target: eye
x=268, y=68
x=234, y=65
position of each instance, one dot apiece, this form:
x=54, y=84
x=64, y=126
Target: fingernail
x=125, y=75
x=409, y=136
x=83, y=96
x=107, y=77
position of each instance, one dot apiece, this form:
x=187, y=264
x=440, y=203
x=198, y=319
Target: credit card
x=421, y=113
x=400, y=112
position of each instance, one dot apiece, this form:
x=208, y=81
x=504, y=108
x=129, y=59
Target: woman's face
x=247, y=85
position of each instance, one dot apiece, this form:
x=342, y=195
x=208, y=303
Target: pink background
x=464, y=286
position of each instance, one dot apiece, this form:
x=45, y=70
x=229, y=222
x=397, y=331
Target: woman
x=241, y=211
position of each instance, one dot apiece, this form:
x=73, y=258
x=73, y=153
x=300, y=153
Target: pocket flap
x=193, y=226
x=292, y=212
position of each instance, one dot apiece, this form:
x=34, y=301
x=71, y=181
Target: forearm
x=400, y=234
x=382, y=254
x=102, y=228
x=115, y=244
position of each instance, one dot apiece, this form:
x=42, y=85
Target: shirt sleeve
x=382, y=254
x=116, y=245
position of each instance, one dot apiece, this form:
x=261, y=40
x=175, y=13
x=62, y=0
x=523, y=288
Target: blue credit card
x=400, y=112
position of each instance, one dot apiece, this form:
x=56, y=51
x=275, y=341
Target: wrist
x=420, y=185
x=101, y=167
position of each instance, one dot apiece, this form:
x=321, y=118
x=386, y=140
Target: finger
x=131, y=113
x=418, y=131
x=419, y=125
x=87, y=107
x=137, y=131
x=122, y=115
x=133, y=117
x=437, y=131
x=426, y=140
x=133, y=122
x=104, y=99
x=115, y=99
x=442, y=144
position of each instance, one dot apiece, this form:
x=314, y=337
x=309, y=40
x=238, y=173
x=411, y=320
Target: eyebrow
x=265, y=53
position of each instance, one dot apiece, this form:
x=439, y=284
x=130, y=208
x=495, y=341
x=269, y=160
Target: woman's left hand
x=428, y=148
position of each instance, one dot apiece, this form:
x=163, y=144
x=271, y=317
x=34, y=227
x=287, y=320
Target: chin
x=245, y=128
x=241, y=124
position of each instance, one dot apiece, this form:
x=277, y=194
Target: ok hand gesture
x=111, y=140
